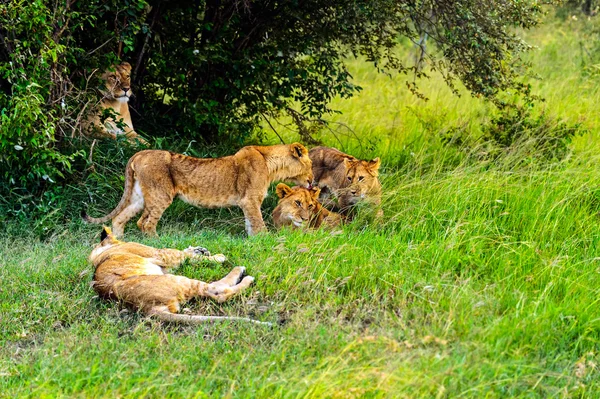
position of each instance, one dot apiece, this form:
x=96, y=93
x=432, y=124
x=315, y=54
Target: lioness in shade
x=299, y=207
x=117, y=84
x=154, y=178
x=136, y=274
x=345, y=178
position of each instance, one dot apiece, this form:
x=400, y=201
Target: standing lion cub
x=153, y=178
x=136, y=275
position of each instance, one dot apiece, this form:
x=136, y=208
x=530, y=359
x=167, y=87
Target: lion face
x=361, y=180
x=118, y=82
x=296, y=204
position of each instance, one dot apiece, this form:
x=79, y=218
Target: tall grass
x=480, y=281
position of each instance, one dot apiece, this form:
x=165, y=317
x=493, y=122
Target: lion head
x=296, y=205
x=118, y=82
x=289, y=162
x=361, y=181
x=107, y=240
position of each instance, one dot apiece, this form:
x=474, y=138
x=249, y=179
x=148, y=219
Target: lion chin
x=296, y=223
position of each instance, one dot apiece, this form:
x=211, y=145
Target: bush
x=211, y=70
x=518, y=134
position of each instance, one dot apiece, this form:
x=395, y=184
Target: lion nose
x=353, y=192
x=309, y=183
x=126, y=89
x=304, y=218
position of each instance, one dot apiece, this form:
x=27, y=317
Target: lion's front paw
x=197, y=251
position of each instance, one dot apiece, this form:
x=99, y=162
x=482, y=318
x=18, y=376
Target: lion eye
x=361, y=178
x=310, y=206
x=298, y=203
x=349, y=178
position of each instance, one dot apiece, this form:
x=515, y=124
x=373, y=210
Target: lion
x=153, y=178
x=136, y=275
x=299, y=207
x=115, y=102
x=345, y=178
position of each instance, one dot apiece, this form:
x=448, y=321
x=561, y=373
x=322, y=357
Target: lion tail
x=196, y=319
x=129, y=181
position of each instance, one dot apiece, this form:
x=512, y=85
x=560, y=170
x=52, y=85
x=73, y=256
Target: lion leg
x=154, y=215
x=142, y=219
x=119, y=221
x=253, y=217
x=171, y=290
x=157, y=201
x=168, y=257
x=158, y=196
x=228, y=286
x=146, y=292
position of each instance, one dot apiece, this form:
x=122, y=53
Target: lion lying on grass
x=154, y=178
x=136, y=275
x=299, y=207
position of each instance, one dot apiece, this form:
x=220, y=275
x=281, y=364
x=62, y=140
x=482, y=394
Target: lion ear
x=282, y=190
x=298, y=150
x=126, y=65
x=349, y=163
x=106, y=231
x=373, y=166
x=315, y=191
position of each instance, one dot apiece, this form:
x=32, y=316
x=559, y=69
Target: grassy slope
x=480, y=282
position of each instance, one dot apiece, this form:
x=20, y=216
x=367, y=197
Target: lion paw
x=197, y=251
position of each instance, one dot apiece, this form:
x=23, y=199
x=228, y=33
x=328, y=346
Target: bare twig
x=272, y=128
x=303, y=131
x=102, y=45
x=156, y=12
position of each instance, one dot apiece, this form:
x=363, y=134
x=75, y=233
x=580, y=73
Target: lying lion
x=117, y=84
x=345, y=178
x=154, y=178
x=136, y=275
x=299, y=207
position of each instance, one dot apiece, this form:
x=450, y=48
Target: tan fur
x=299, y=207
x=136, y=275
x=345, y=178
x=116, y=97
x=154, y=178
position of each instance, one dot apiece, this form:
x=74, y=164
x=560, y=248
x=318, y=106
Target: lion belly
x=209, y=201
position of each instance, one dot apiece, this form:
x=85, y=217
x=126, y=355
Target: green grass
x=481, y=281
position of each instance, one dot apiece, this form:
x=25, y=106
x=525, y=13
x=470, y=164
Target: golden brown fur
x=345, y=178
x=115, y=98
x=136, y=275
x=299, y=207
x=154, y=178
